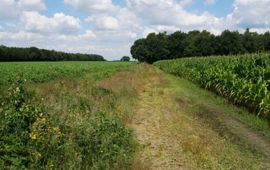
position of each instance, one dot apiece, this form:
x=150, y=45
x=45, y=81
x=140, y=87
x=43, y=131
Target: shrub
x=112, y=144
x=16, y=118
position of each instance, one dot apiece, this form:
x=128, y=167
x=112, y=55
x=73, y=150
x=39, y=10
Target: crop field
x=244, y=80
x=128, y=115
x=45, y=71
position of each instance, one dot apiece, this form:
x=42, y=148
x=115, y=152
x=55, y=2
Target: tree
x=267, y=41
x=231, y=43
x=176, y=44
x=190, y=46
x=157, y=45
x=162, y=46
x=251, y=41
x=139, y=50
x=125, y=58
x=35, y=54
x=204, y=44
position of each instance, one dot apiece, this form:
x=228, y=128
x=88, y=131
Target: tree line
x=35, y=54
x=179, y=44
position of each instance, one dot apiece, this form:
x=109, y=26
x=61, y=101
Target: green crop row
x=244, y=80
x=45, y=71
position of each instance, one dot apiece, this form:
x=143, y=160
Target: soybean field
x=45, y=71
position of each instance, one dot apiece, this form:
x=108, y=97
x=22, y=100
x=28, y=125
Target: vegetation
x=162, y=46
x=85, y=122
x=45, y=71
x=56, y=126
x=35, y=54
x=243, y=80
x=125, y=58
x=213, y=133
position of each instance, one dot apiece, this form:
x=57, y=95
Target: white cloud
x=104, y=22
x=184, y=3
x=59, y=23
x=89, y=34
x=31, y=5
x=251, y=13
x=12, y=9
x=209, y=2
x=121, y=20
x=7, y=6
x=171, y=13
x=92, y=6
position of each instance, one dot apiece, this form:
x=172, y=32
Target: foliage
x=125, y=58
x=242, y=79
x=45, y=71
x=35, y=54
x=17, y=116
x=164, y=46
x=111, y=143
x=31, y=139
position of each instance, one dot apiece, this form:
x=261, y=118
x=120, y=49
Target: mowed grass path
x=181, y=126
x=178, y=125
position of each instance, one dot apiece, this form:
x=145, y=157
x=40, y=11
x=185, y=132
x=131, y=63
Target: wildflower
x=41, y=120
x=33, y=136
x=57, y=130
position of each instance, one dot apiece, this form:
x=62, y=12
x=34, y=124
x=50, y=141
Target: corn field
x=243, y=80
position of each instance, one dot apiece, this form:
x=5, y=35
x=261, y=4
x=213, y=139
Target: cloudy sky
x=109, y=27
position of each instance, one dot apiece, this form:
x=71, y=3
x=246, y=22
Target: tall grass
x=66, y=124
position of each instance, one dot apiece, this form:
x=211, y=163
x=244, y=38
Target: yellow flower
x=33, y=136
x=41, y=120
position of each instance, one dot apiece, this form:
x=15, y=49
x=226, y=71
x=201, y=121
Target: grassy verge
x=201, y=96
x=212, y=132
x=76, y=123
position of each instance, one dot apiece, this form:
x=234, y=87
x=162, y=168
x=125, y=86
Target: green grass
x=208, y=140
x=201, y=96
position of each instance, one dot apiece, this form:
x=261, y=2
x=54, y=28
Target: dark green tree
x=204, y=44
x=267, y=41
x=125, y=58
x=176, y=43
x=231, y=43
x=35, y=54
x=139, y=50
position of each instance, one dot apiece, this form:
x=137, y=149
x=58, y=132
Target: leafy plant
x=16, y=118
x=242, y=79
x=31, y=139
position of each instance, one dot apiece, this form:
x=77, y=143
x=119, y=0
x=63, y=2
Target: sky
x=109, y=27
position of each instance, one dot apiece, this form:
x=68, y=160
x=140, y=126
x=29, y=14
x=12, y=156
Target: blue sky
x=109, y=27
x=220, y=8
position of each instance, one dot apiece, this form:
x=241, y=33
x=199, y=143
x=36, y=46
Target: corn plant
x=244, y=80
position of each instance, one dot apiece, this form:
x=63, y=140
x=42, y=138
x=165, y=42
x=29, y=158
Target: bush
x=16, y=118
x=112, y=144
